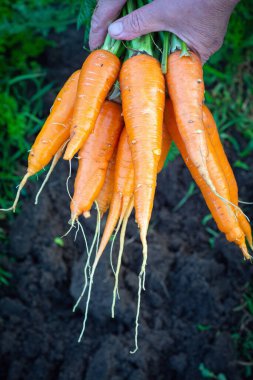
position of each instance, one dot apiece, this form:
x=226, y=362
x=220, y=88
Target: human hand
x=202, y=24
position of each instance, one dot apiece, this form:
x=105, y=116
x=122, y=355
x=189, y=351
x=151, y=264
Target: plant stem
x=114, y=46
x=143, y=44
x=164, y=63
x=178, y=44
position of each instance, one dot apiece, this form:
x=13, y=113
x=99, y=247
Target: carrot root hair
x=56, y=158
x=20, y=187
x=67, y=180
x=72, y=225
x=87, y=268
x=121, y=249
x=95, y=240
x=245, y=203
x=88, y=298
x=231, y=204
x=142, y=276
x=112, y=245
x=137, y=314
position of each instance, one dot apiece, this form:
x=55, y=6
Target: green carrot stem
x=114, y=46
x=178, y=44
x=164, y=64
x=141, y=44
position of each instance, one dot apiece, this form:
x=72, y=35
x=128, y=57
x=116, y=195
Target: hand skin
x=202, y=24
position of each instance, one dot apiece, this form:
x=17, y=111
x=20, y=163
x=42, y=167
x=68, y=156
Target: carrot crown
x=171, y=43
x=139, y=45
x=113, y=46
x=177, y=44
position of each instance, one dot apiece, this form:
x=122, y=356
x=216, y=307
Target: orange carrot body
x=214, y=137
x=166, y=143
x=98, y=74
x=122, y=191
x=222, y=212
x=56, y=129
x=105, y=196
x=142, y=89
x=94, y=158
x=186, y=90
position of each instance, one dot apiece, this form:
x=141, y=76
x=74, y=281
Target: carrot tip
x=73, y=219
x=20, y=187
x=245, y=252
x=86, y=214
x=56, y=158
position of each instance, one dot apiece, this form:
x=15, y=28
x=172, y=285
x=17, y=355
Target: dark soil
x=188, y=285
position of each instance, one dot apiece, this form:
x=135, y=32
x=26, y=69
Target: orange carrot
x=54, y=132
x=214, y=137
x=166, y=143
x=98, y=74
x=123, y=190
x=142, y=89
x=222, y=212
x=186, y=90
x=105, y=196
x=94, y=158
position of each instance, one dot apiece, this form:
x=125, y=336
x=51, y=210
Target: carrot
x=120, y=210
x=121, y=249
x=105, y=196
x=186, y=89
x=98, y=74
x=142, y=89
x=214, y=137
x=123, y=190
x=222, y=213
x=166, y=144
x=54, y=132
x=94, y=158
x=122, y=196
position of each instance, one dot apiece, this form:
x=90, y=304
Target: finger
x=106, y=11
x=147, y=19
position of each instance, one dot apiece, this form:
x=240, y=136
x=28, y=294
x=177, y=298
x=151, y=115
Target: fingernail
x=116, y=28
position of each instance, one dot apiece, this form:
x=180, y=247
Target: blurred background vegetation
x=26, y=28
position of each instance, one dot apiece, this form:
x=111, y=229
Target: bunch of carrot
x=121, y=144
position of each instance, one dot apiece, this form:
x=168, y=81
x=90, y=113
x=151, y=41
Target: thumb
x=147, y=19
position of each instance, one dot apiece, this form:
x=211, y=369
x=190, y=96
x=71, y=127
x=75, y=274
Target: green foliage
x=173, y=153
x=190, y=192
x=84, y=18
x=202, y=327
x=207, y=374
x=25, y=27
x=4, y=277
x=59, y=241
